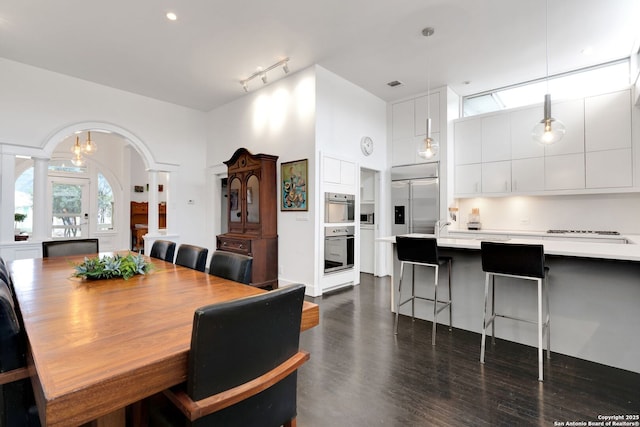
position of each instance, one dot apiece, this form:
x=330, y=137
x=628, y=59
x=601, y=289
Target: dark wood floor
x=360, y=374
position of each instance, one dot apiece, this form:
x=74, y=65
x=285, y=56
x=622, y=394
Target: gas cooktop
x=600, y=232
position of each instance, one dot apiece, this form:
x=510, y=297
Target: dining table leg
x=114, y=419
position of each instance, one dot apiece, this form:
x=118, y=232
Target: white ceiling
x=198, y=60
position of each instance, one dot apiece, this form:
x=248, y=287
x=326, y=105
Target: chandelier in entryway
x=88, y=147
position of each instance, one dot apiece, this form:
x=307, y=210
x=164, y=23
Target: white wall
x=36, y=104
x=277, y=119
x=345, y=113
x=295, y=118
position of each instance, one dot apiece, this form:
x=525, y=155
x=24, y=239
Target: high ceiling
x=198, y=60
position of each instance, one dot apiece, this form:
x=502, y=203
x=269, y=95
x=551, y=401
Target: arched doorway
x=91, y=199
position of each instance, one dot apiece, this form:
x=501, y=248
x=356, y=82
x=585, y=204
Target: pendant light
x=76, y=149
x=77, y=159
x=429, y=148
x=549, y=130
x=90, y=147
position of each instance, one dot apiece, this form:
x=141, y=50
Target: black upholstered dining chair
x=163, y=249
x=232, y=266
x=4, y=274
x=242, y=364
x=53, y=248
x=17, y=404
x=191, y=256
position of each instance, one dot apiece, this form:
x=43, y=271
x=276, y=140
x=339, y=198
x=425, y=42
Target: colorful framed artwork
x=293, y=179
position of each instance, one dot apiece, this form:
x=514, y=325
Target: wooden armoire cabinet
x=139, y=222
x=252, y=209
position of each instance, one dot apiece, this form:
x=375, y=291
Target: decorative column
x=171, y=204
x=40, y=222
x=7, y=192
x=153, y=203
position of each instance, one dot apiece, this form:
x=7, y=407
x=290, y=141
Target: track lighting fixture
x=262, y=73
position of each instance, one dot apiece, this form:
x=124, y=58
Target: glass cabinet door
x=235, y=203
x=253, y=200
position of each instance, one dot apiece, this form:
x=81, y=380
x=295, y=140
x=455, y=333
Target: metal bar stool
x=422, y=251
x=522, y=262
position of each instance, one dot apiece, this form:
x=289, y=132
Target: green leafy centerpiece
x=109, y=267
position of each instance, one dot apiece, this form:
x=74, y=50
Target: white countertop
x=572, y=248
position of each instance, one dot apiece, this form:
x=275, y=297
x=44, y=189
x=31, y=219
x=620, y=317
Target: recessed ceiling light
x=587, y=50
x=171, y=16
x=395, y=83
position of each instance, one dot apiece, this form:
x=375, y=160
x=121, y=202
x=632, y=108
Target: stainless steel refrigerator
x=415, y=195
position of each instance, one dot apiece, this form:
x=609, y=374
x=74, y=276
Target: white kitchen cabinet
x=336, y=171
x=608, y=121
x=597, y=152
x=496, y=138
x=425, y=107
x=403, y=151
x=527, y=175
x=331, y=170
x=468, y=179
x=496, y=177
x=409, y=128
x=367, y=249
x=347, y=173
x=522, y=144
x=609, y=169
x=564, y=172
x=468, y=141
x=403, y=118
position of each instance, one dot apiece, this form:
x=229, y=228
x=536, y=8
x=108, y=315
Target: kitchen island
x=594, y=291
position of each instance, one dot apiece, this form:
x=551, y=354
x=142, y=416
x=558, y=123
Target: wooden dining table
x=97, y=346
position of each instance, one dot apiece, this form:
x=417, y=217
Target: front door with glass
x=69, y=207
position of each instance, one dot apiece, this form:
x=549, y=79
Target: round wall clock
x=366, y=145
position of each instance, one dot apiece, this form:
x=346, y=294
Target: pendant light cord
x=546, y=41
x=428, y=32
x=428, y=86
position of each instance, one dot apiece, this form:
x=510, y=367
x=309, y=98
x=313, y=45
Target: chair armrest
x=194, y=410
x=13, y=375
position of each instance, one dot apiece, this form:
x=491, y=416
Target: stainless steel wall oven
x=339, y=207
x=338, y=248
